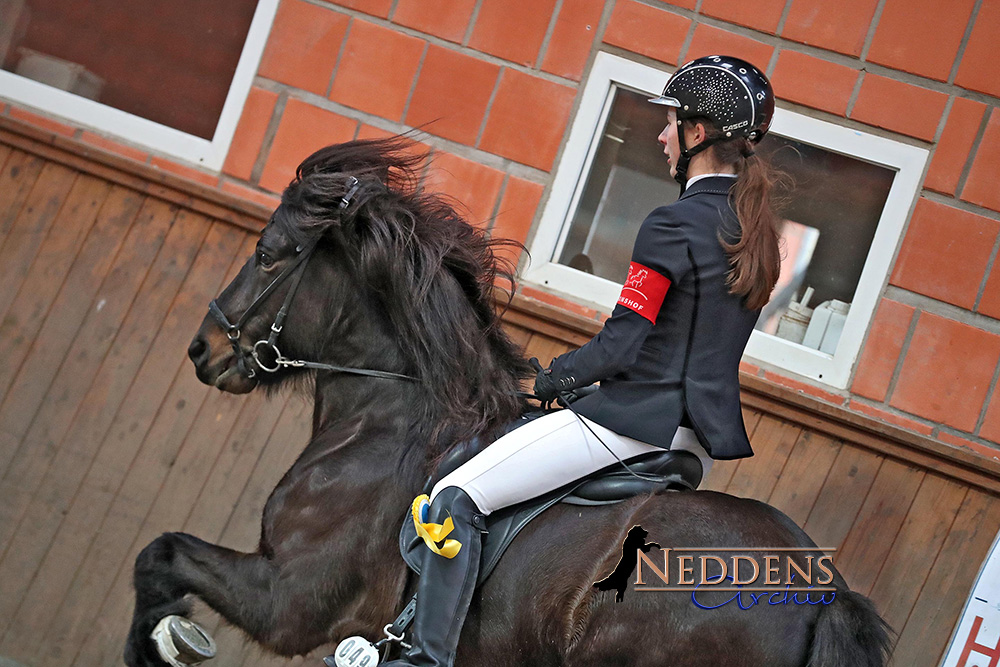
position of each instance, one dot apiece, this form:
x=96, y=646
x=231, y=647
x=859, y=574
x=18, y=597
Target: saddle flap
x=677, y=470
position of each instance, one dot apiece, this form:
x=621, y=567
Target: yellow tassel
x=432, y=533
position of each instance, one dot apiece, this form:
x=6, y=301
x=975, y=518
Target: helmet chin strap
x=684, y=161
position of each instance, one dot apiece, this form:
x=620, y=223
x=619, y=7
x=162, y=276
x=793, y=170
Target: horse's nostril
x=198, y=350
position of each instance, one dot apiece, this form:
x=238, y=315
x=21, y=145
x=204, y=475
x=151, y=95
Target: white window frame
x=159, y=138
x=611, y=71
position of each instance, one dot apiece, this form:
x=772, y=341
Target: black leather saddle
x=660, y=471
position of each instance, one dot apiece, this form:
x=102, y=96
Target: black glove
x=546, y=386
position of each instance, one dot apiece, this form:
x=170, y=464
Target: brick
x=978, y=70
x=955, y=145
x=558, y=302
x=377, y=69
x=686, y=4
x=250, y=131
x=762, y=15
x=708, y=41
x=989, y=305
x=493, y=31
x=303, y=45
x=838, y=26
x=517, y=210
x=447, y=19
x=749, y=369
x=881, y=353
x=529, y=138
x=978, y=447
x=256, y=196
x=981, y=185
x=303, y=130
x=114, y=147
x=647, y=30
x=899, y=107
x=42, y=122
x=572, y=38
x=813, y=82
x=805, y=388
x=184, y=171
x=945, y=253
x=378, y=8
x=451, y=94
x=947, y=371
x=991, y=424
x=474, y=187
x=890, y=418
x=908, y=39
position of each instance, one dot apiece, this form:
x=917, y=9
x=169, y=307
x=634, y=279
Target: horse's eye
x=264, y=260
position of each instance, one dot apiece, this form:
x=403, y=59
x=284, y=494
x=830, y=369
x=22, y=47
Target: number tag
x=356, y=652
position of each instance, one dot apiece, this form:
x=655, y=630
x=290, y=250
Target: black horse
x=373, y=273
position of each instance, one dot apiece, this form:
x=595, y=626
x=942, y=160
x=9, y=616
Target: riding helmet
x=733, y=94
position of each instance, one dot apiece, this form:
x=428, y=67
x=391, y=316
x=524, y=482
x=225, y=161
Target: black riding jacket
x=684, y=367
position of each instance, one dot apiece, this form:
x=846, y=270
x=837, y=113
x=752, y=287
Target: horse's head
x=369, y=271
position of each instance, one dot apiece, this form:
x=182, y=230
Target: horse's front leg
x=175, y=565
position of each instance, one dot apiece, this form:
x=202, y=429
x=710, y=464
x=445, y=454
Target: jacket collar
x=719, y=185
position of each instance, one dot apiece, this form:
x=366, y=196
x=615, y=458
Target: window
x=172, y=76
x=850, y=195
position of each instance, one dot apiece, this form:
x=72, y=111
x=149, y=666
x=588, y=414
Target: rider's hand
x=546, y=386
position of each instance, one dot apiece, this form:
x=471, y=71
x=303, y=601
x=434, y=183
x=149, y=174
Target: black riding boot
x=445, y=587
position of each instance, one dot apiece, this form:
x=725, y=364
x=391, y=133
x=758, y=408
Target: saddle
x=666, y=470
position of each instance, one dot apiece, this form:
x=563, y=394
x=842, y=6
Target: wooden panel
x=21, y=244
x=841, y=497
x=926, y=633
x=112, y=389
x=864, y=551
x=755, y=477
x=805, y=472
x=151, y=423
x=44, y=477
x=46, y=275
x=136, y=470
x=16, y=180
x=928, y=521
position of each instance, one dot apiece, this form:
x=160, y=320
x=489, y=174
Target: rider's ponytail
x=755, y=258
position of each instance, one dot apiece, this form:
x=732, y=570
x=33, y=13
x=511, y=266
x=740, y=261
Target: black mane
x=434, y=275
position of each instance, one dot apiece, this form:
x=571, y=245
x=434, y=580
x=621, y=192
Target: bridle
x=296, y=268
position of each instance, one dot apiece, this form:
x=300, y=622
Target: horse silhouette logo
x=635, y=277
x=618, y=579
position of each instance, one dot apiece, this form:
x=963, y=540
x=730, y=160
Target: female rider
x=667, y=358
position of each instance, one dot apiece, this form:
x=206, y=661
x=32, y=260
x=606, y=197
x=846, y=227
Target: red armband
x=644, y=291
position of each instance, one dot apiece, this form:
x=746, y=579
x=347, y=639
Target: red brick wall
x=493, y=84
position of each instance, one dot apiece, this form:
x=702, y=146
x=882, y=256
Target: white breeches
x=547, y=453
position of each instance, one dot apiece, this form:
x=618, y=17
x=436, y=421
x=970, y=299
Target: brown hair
x=755, y=258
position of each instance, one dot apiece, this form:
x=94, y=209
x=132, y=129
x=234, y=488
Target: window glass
x=169, y=62
x=832, y=206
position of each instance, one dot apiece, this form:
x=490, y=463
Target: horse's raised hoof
x=182, y=642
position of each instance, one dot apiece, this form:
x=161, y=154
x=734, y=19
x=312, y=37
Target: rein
x=233, y=331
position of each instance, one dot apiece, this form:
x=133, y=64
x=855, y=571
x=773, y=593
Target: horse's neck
x=359, y=420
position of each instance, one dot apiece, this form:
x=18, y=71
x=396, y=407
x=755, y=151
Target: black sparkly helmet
x=732, y=93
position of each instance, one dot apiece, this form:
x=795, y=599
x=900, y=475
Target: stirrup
x=182, y=642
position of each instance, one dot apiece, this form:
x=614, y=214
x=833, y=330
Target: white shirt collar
x=694, y=179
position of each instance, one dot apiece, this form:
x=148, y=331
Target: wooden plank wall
x=107, y=438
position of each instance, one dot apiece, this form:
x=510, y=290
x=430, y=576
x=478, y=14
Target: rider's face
x=668, y=139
